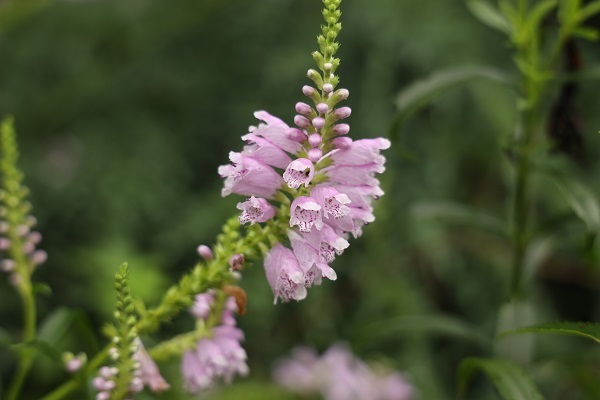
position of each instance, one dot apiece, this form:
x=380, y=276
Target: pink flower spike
x=305, y=212
x=318, y=122
x=284, y=274
x=236, y=262
x=315, y=140
x=315, y=154
x=205, y=252
x=343, y=112
x=255, y=210
x=303, y=108
x=300, y=171
x=341, y=129
x=332, y=201
x=322, y=108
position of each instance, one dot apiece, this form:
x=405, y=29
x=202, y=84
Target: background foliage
x=125, y=109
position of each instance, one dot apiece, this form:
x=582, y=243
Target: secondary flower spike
x=310, y=187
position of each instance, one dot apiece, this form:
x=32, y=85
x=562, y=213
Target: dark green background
x=125, y=109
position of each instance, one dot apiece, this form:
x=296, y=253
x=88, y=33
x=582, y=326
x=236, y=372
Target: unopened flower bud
x=15, y=279
x=310, y=92
x=341, y=129
x=3, y=226
x=4, y=244
x=34, y=237
x=39, y=257
x=322, y=108
x=7, y=265
x=315, y=77
x=205, y=252
x=318, y=123
x=315, y=154
x=327, y=66
x=338, y=95
x=296, y=134
x=236, y=262
x=342, y=142
x=30, y=220
x=343, y=112
x=301, y=121
x=303, y=108
x=314, y=140
x=328, y=88
x=22, y=230
x=28, y=247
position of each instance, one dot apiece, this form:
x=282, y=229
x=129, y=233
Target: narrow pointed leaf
x=582, y=201
x=423, y=91
x=489, y=15
x=459, y=214
x=540, y=11
x=584, y=329
x=511, y=381
x=589, y=10
x=423, y=325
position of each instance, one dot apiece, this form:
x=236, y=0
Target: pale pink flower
x=305, y=212
x=284, y=274
x=148, y=371
x=310, y=256
x=218, y=357
x=332, y=201
x=249, y=177
x=255, y=210
x=277, y=132
x=202, y=304
x=299, y=172
x=265, y=151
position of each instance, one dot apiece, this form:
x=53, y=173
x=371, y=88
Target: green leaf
x=589, y=11
x=581, y=200
x=584, y=329
x=64, y=322
x=459, y=214
x=513, y=315
x=423, y=325
x=420, y=93
x=489, y=15
x=538, y=13
x=42, y=289
x=42, y=347
x=5, y=338
x=511, y=381
x=586, y=33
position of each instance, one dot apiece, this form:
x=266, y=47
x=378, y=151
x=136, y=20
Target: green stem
x=26, y=356
x=521, y=202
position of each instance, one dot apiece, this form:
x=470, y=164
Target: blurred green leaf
x=584, y=329
x=582, y=201
x=42, y=347
x=5, y=338
x=538, y=13
x=420, y=93
x=422, y=325
x=63, y=322
x=511, y=316
x=489, y=15
x=589, y=10
x=42, y=288
x=586, y=33
x=511, y=381
x=459, y=214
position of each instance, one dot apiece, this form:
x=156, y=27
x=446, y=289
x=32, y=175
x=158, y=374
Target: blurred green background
x=125, y=109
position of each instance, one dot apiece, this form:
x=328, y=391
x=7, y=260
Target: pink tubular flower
x=332, y=201
x=310, y=256
x=249, y=177
x=277, y=132
x=255, y=210
x=299, y=172
x=148, y=371
x=305, y=212
x=202, y=304
x=285, y=275
x=219, y=357
x=265, y=151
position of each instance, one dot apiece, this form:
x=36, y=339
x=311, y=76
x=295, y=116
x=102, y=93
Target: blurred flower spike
x=310, y=183
x=338, y=375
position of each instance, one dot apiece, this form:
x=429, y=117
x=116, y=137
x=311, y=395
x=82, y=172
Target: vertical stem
x=26, y=355
x=521, y=202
